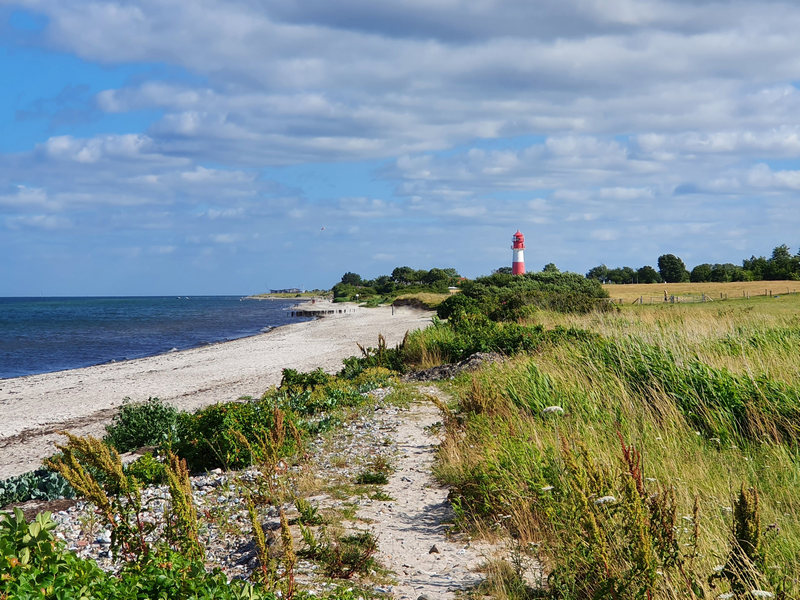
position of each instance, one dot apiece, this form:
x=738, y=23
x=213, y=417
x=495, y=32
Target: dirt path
x=412, y=530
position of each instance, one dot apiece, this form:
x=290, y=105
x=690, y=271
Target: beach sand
x=83, y=401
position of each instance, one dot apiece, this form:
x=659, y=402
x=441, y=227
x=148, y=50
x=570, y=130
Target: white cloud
x=606, y=120
x=46, y=222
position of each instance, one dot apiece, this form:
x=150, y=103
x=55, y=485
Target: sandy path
x=416, y=521
x=83, y=400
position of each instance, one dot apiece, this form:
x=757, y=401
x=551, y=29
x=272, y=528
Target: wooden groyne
x=321, y=310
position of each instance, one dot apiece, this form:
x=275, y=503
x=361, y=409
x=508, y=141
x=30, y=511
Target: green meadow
x=653, y=456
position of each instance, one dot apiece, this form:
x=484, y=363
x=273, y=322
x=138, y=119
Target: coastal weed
x=341, y=556
x=118, y=499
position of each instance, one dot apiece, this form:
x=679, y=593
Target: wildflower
x=726, y=596
x=550, y=410
x=717, y=568
x=605, y=500
x=761, y=594
x=687, y=518
x=547, y=488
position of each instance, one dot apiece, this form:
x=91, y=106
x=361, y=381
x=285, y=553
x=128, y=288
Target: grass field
x=652, y=293
x=658, y=459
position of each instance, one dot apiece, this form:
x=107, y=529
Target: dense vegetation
x=781, y=265
x=403, y=280
x=165, y=559
x=653, y=457
x=505, y=297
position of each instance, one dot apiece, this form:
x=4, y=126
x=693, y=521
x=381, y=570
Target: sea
x=42, y=335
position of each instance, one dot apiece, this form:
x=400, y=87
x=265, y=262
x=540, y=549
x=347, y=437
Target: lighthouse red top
x=519, y=240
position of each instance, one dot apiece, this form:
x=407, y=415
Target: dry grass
x=654, y=292
x=429, y=299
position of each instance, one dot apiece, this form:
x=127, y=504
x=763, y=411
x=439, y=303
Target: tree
x=648, y=274
x=435, y=276
x=504, y=270
x=600, y=272
x=757, y=267
x=701, y=273
x=672, y=269
x=551, y=268
x=403, y=275
x=782, y=265
x=622, y=275
x=350, y=278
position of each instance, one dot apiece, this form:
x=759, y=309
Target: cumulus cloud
x=587, y=119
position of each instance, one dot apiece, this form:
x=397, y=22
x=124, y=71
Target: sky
x=155, y=147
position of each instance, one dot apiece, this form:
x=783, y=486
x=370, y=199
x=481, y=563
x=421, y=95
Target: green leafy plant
x=309, y=514
x=147, y=469
x=41, y=484
x=139, y=424
x=341, y=556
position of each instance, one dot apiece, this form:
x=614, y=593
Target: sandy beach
x=84, y=400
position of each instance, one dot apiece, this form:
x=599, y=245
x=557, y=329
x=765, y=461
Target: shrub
x=294, y=381
x=226, y=434
x=147, y=470
x=139, y=424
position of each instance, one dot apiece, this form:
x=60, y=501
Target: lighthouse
x=518, y=264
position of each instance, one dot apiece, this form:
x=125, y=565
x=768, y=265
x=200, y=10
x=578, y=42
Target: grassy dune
x=672, y=471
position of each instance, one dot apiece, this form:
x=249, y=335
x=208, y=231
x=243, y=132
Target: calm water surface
x=40, y=335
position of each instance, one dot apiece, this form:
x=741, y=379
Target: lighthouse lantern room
x=518, y=263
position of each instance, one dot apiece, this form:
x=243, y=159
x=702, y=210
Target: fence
x=703, y=297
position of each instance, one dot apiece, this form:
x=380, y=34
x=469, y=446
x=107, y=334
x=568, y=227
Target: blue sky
x=172, y=147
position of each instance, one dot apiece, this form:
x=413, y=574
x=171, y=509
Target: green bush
x=505, y=297
x=294, y=381
x=147, y=470
x=139, y=424
x=225, y=435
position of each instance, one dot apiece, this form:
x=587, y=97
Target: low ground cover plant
x=41, y=484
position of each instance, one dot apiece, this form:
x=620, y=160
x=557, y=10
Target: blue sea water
x=40, y=335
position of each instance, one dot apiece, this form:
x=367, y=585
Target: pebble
x=225, y=528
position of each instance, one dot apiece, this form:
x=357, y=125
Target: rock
x=449, y=371
x=433, y=550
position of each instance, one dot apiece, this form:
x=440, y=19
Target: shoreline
x=263, y=330
x=84, y=400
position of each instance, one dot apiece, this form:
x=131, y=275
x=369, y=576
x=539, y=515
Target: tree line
x=402, y=280
x=781, y=265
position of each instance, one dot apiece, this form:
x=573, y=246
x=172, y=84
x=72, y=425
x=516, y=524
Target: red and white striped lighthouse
x=518, y=264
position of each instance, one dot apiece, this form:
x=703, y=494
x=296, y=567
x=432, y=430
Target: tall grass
x=640, y=487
